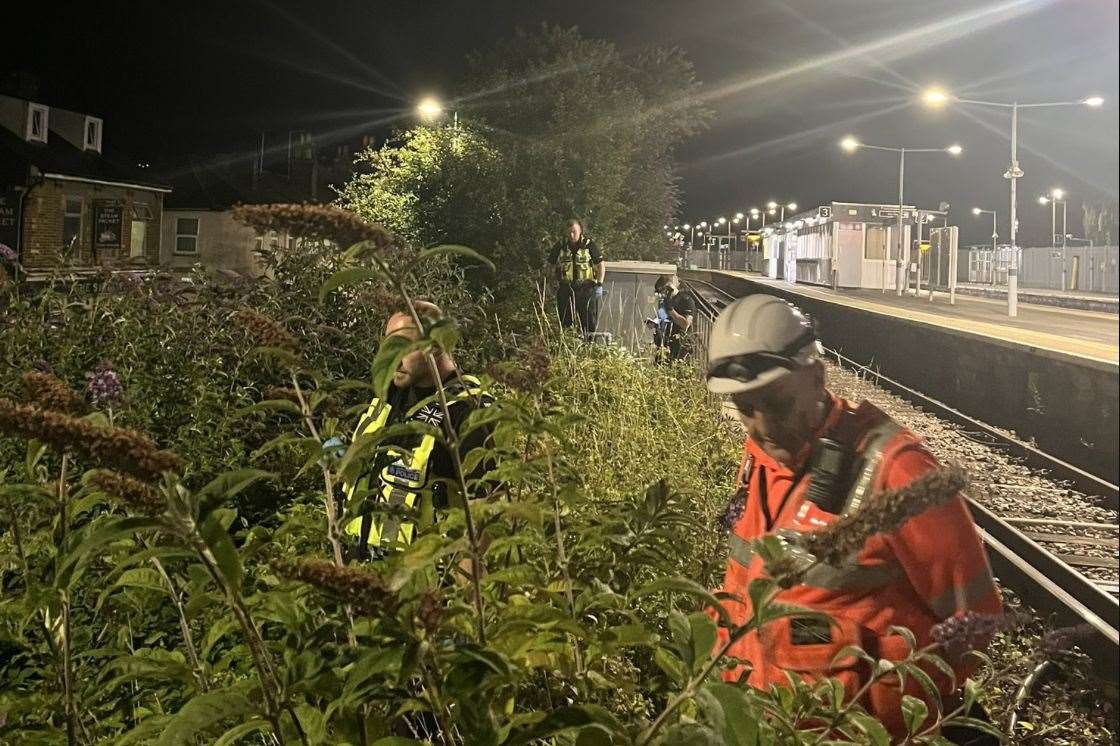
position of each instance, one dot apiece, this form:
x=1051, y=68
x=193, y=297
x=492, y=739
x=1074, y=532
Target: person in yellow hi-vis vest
x=413, y=475
x=580, y=271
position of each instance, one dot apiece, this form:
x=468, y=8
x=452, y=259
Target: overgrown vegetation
x=144, y=600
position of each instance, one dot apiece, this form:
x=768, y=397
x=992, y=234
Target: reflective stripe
x=963, y=597
x=872, y=457
x=852, y=577
x=741, y=550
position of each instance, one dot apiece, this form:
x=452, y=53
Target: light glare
x=935, y=97
x=849, y=144
x=1093, y=101
x=429, y=108
x=954, y=149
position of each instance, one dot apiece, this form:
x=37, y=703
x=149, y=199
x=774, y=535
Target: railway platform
x=1090, y=335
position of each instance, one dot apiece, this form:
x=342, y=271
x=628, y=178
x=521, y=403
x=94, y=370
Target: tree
x=551, y=125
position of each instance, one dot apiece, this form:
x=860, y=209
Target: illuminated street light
x=429, y=109
x=1057, y=193
x=738, y=216
x=754, y=212
x=771, y=205
x=902, y=258
x=792, y=207
x=722, y=221
x=936, y=97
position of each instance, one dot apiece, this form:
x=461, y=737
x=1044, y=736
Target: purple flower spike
x=104, y=387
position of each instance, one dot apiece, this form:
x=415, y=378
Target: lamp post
x=980, y=211
x=936, y=97
x=691, y=234
x=1052, y=199
x=851, y=145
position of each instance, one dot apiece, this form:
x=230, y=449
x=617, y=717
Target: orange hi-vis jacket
x=929, y=569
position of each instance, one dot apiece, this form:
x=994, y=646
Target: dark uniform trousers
x=578, y=303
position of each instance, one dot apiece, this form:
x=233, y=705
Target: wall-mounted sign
x=824, y=211
x=107, y=222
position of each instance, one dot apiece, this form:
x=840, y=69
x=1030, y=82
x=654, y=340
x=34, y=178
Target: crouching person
x=811, y=457
x=413, y=474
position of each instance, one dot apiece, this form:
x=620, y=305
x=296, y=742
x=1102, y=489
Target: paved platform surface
x=1088, y=334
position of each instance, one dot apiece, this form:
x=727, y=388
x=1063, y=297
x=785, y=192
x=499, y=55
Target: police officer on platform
x=811, y=457
x=417, y=474
x=580, y=271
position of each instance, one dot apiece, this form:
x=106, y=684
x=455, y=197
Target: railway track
x=1062, y=565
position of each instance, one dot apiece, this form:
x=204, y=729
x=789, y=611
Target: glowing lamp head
x=754, y=212
x=954, y=149
x=738, y=216
x=791, y=206
x=687, y=227
x=1093, y=101
x=1057, y=193
x=429, y=109
x=1044, y=200
x=771, y=205
x=849, y=144
x=976, y=211
x=935, y=97
x=722, y=221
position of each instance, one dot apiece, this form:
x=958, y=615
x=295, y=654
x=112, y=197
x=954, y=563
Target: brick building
x=63, y=205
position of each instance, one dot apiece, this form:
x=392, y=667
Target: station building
x=846, y=244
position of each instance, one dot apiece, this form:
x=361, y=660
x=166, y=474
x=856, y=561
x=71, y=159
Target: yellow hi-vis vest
x=405, y=479
x=577, y=264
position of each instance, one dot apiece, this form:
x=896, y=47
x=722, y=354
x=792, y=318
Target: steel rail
x=1047, y=583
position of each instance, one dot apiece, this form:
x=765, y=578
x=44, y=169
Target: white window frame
x=44, y=112
x=197, y=232
x=80, y=215
x=95, y=143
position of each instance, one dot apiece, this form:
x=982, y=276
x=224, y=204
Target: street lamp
x=1052, y=199
x=978, y=211
x=430, y=109
x=936, y=97
x=850, y=144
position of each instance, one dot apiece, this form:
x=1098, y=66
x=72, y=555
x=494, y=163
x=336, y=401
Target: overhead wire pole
x=937, y=97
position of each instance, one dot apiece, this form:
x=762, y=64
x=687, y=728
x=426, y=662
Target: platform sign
x=824, y=211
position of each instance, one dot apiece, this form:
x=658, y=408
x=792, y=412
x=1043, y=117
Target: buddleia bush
x=565, y=602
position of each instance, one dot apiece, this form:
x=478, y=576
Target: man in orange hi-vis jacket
x=809, y=458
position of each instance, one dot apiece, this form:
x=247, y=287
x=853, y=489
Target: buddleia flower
x=104, y=387
x=49, y=392
x=883, y=512
x=316, y=222
x=365, y=591
x=266, y=331
x=140, y=496
x=125, y=450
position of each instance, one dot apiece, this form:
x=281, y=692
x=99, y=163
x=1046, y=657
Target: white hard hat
x=756, y=340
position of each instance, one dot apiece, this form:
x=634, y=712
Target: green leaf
x=740, y=723
x=450, y=249
x=390, y=352
x=703, y=633
x=398, y=741
x=237, y=732
x=230, y=483
x=92, y=538
x=217, y=538
x=445, y=334
x=686, y=586
x=565, y=719
x=914, y=712
x=202, y=712
x=345, y=278
x=871, y=728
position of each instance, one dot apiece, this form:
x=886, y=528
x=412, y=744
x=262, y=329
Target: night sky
x=786, y=79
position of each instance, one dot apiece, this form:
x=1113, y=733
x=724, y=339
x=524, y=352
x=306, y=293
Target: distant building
x=198, y=223
x=849, y=244
x=64, y=205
